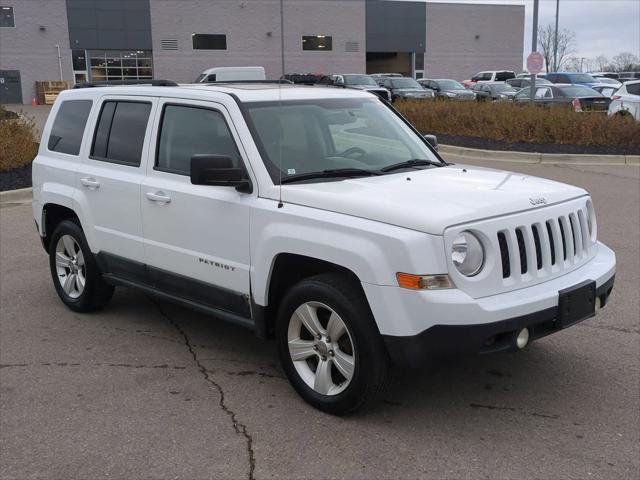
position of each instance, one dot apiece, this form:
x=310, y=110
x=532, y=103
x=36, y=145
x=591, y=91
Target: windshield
x=316, y=135
x=449, y=85
x=359, y=80
x=201, y=77
x=579, y=92
x=583, y=78
x=404, y=83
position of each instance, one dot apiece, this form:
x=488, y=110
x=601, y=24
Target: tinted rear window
x=502, y=76
x=120, y=132
x=68, y=127
x=634, y=89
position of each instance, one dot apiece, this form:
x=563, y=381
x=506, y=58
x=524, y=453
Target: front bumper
x=418, y=324
x=442, y=340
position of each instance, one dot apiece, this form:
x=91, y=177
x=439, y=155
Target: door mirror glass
x=217, y=170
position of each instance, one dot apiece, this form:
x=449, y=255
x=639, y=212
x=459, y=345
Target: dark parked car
x=581, y=98
x=381, y=77
x=524, y=82
x=493, y=91
x=303, y=78
x=406, y=88
x=447, y=89
x=357, y=81
x=572, y=77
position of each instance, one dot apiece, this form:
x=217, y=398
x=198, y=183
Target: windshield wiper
x=331, y=173
x=416, y=162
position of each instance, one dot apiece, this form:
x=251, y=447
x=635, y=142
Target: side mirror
x=217, y=170
x=432, y=139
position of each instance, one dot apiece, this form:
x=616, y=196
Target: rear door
x=109, y=180
x=196, y=237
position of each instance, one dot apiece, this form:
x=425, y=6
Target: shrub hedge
x=18, y=145
x=509, y=122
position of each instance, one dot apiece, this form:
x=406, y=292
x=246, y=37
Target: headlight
x=467, y=254
x=450, y=94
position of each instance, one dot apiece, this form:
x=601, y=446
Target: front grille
x=534, y=248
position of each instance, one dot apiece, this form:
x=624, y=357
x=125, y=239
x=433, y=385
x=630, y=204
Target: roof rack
x=110, y=83
x=281, y=81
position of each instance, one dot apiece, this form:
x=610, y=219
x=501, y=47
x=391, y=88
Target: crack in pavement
x=238, y=427
x=74, y=364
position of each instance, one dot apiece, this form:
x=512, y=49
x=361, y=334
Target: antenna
x=280, y=204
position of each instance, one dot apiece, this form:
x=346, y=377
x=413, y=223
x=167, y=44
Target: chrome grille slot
x=536, y=240
x=552, y=242
x=504, y=255
x=522, y=250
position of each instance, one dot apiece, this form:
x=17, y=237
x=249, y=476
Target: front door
x=196, y=238
x=10, y=86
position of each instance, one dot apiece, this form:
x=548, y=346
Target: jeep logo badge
x=538, y=201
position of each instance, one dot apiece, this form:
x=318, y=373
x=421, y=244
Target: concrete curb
x=22, y=195
x=545, y=158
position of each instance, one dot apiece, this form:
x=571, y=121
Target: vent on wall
x=169, y=44
x=352, y=47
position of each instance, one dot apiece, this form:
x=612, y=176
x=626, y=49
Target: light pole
x=555, y=41
x=534, y=48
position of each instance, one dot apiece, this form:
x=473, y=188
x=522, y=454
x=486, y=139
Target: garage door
x=10, y=87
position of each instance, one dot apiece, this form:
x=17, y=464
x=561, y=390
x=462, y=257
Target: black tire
x=372, y=365
x=96, y=293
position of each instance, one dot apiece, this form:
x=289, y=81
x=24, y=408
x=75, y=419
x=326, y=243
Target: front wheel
x=329, y=346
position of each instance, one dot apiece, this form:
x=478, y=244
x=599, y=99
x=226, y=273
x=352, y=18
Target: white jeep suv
x=318, y=216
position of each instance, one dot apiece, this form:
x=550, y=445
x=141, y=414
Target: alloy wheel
x=70, y=266
x=321, y=348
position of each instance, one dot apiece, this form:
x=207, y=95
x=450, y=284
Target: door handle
x=90, y=183
x=158, y=197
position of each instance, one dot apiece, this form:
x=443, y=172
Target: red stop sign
x=535, y=63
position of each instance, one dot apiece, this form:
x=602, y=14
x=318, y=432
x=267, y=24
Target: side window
x=120, y=132
x=68, y=127
x=211, y=78
x=186, y=131
x=541, y=92
x=486, y=76
x=552, y=78
x=565, y=79
x=633, y=88
x=387, y=83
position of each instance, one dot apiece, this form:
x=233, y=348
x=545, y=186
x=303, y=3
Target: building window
x=206, y=41
x=316, y=42
x=6, y=17
x=79, y=60
x=120, y=65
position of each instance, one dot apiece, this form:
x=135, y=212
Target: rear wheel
x=75, y=273
x=329, y=345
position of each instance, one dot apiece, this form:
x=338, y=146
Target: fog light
x=523, y=338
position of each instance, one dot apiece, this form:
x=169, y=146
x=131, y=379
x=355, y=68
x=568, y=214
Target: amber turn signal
x=423, y=282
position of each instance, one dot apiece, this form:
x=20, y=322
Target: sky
x=601, y=27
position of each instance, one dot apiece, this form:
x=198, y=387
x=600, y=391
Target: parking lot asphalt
x=146, y=389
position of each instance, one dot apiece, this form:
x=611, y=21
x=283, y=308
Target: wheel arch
x=52, y=215
x=287, y=269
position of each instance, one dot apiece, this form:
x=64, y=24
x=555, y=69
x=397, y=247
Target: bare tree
x=625, y=61
x=602, y=63
x=546, y=41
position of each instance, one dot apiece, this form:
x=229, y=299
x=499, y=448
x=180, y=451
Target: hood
x=458, y=91
x=434, y=198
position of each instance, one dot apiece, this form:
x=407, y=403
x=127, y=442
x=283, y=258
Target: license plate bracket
x=576, y=303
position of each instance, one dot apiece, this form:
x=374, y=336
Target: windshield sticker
x=291, y=171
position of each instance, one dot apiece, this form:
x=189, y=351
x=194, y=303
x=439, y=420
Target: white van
x=226, y=74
